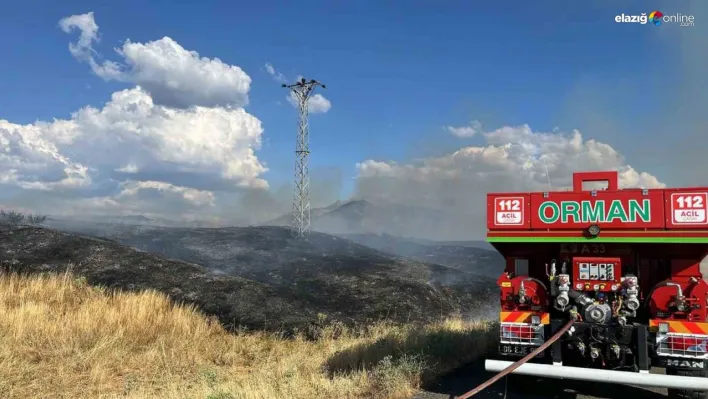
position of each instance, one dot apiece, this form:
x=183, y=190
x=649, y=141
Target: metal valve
x=594, y=353
x=632, y=292
x=615, y=349
x=581, y=348
x=563, y=300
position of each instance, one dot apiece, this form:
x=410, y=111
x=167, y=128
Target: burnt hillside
x=258, y=277
x=463, y=256
x=270, y=255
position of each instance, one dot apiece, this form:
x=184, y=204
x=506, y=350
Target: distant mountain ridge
x=363, y=216
x=285, y=220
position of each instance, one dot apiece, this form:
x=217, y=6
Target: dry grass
x=64, y=339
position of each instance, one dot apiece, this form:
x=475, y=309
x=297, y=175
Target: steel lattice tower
x=302, y=91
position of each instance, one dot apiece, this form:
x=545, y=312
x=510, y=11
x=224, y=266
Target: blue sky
x=395, y=75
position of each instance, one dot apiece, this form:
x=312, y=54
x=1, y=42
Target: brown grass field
x=62, y=338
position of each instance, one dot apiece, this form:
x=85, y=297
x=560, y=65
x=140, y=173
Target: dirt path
x=518, y=387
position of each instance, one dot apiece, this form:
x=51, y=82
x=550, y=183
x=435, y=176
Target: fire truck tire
x=687, y=393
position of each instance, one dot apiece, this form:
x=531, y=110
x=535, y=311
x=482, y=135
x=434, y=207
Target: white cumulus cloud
x=178, y=144
x=173, y=76
x=131, y=134
x=131, y=189
x=316, y=104
x=515, y=158
x=465, y=131
x=86, y=24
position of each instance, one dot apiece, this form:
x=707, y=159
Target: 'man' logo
x=692, y=364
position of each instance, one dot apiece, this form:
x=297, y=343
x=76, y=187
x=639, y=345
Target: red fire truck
x=627, y=265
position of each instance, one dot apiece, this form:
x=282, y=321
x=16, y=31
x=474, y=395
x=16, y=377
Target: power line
x=302, y=90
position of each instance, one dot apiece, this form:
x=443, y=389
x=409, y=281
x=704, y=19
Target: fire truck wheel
x=686, y=393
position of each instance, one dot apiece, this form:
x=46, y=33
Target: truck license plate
x=518, y=350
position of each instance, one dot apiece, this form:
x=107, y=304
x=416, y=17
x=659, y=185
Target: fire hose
x=514, y=366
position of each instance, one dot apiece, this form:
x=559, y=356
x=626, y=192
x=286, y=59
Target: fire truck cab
x=627, y=265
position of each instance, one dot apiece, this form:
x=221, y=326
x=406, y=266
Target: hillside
x=463, y=256
x=259, y=277
x=476, y=257
x=401, y=231
x=271, y=255
x=65, y=339
x=102, y=262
